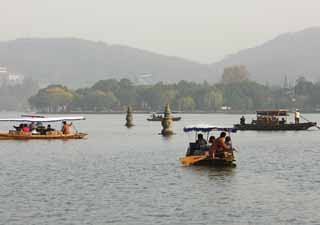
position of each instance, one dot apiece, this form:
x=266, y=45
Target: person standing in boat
x=297, y=116
x=66, y=128
x=242, y=120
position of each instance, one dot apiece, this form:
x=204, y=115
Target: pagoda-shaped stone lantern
x=129, y=117
x=167, y=122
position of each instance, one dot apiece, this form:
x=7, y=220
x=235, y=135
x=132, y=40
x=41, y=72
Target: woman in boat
x=230, y=150
x=212, y=149
x=227, y=141
x=25, y=128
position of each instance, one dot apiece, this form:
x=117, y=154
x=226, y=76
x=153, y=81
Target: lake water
x=133, y=176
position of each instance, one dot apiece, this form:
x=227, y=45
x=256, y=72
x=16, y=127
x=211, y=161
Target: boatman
x=242, y=120
x=297, y=116
x=66, y=128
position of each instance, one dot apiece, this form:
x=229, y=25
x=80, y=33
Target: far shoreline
x=150, y=113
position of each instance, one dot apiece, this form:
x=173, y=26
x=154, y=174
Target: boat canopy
x=207, y=128
x=280, y=112
x=43, y=120
x=33, y=116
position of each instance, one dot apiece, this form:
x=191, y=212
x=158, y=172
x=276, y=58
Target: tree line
x=236, y=92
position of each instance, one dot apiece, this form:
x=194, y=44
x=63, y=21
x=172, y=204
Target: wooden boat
x=159, y=117
x=20, y=135
x=192, y=156
x=272, y=120
x=225, y=162
x=14, y=135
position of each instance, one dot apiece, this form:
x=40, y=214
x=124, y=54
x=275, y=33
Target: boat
x=273, y=120
x=159, y=117
x=54, y=134
x=193, y=157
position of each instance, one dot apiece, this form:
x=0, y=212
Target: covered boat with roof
x=201, y=153
x=33, y=128
x=274, y=120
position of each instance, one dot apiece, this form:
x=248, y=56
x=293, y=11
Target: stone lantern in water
x=129, y=117
x=167, y=122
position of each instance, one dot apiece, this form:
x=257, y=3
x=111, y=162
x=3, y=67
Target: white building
x=9, y=78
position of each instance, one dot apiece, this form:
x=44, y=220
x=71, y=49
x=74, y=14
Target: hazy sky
x=201, y=30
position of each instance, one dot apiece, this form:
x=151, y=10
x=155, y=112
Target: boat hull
x=275, y=127
x=216, y=163
x=29, y=136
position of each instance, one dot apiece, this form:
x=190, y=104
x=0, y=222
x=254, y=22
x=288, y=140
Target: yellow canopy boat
x=54, y=134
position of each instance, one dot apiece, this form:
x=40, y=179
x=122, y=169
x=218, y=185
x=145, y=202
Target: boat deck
x=275, y=127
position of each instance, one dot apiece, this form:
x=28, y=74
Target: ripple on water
x=120, y=176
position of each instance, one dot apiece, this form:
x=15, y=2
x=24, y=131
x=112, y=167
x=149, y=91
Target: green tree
x=54, y=98
x=187, y=103
x=213, y=100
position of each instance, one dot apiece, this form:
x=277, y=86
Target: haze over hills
x=76, y=62
x=291, y=54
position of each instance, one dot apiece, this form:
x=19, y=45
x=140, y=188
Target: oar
x=309, y=121
x=188, y=160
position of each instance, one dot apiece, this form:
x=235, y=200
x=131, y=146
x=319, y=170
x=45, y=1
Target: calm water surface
x=133, y=176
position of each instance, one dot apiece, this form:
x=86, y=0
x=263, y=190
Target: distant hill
x=292, y=55
x=77, y=62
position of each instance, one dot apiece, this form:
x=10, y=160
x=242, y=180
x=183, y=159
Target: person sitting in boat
x=221, y=148
x=18, y=128
x=66, y=128
x=49, y=128
x=282, y=121
x=212, y=139
x=25, y=128
x=200, y=147
x=230, y=150
x=227, y=141
x=201, y=141
x=212, y=149
x=32, y=126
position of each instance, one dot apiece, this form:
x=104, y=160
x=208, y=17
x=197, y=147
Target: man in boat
x=297, y=116
x=49, y=128
x=201, y=141
x=66, y=128
x=242, y=120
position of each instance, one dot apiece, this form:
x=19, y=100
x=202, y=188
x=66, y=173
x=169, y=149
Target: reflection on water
x=133, y=176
